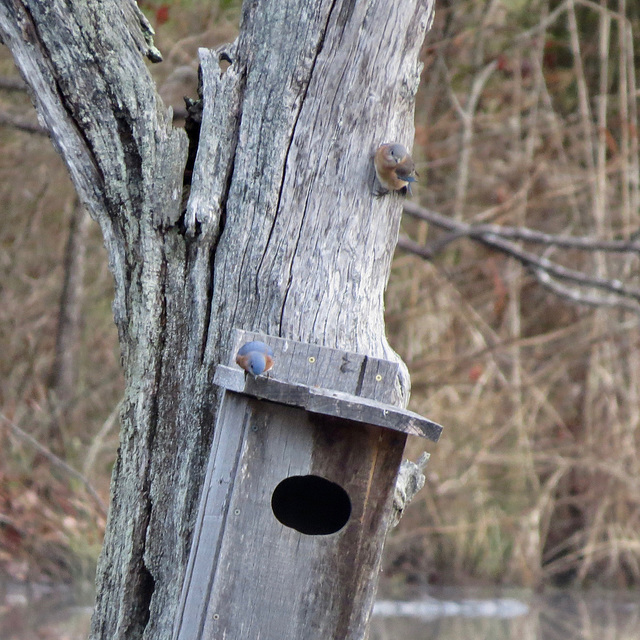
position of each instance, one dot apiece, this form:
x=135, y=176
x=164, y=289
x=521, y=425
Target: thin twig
x=12, y=83
x=544, y=24
x=22, y=123
x=632, y=124
x=583, y=243
x=582, y=298
x=600, y=204
x=107, y=425
x=623, y=105
x=466, y=117
x=583, y=93
x=58, y=462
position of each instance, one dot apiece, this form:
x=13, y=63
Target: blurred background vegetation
x=526, y=116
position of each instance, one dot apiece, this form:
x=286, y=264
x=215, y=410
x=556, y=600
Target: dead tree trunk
x=281, y=233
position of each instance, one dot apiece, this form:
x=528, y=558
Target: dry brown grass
x=518, y=121
x=524, y=122
x=45, y=511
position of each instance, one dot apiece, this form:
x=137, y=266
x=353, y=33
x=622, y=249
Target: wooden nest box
x=297, y=498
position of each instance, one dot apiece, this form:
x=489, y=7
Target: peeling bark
x=281, y=232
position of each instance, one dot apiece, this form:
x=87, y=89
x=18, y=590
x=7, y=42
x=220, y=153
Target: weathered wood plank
x=270, y=581
x=214, y=506
x=328, y=402
x=316, y=366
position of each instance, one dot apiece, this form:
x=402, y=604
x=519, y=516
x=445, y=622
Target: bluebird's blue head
x=256, y=345
x=255, y=357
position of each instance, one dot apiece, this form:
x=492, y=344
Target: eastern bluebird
x=255, y=357
x=394, y=168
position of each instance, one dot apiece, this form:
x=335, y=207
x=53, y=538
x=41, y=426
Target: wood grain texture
x=82, y=62
x=299, y=213
x=281, y=233
x=312, y=365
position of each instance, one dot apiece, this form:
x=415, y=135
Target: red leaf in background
x=475, y=371
x=503, y=63
x=500, y=291
x=162, y=13
x=550, y=56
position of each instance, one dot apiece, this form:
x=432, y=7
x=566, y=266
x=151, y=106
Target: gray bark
x=281, y=232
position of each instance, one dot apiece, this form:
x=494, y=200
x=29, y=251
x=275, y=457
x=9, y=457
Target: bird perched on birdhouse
x=395, y=169
x=255, y=357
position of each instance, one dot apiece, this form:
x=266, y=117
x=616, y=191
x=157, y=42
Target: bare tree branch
x=575, y=296
x=494, y=236
x=22, y=123
x=12, y=83
x=583, y=243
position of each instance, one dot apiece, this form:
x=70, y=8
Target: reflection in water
x=38, y=612
x=556, y=616
x=452, y=614
x=432, y=608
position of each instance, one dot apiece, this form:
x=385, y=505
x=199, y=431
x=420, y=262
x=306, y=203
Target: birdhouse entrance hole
x=311, y=505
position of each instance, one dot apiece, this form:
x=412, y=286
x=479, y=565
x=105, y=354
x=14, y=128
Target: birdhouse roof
x=326, y=381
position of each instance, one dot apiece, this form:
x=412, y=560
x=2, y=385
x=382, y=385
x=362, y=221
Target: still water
x=449, y=614
x=455, y=614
